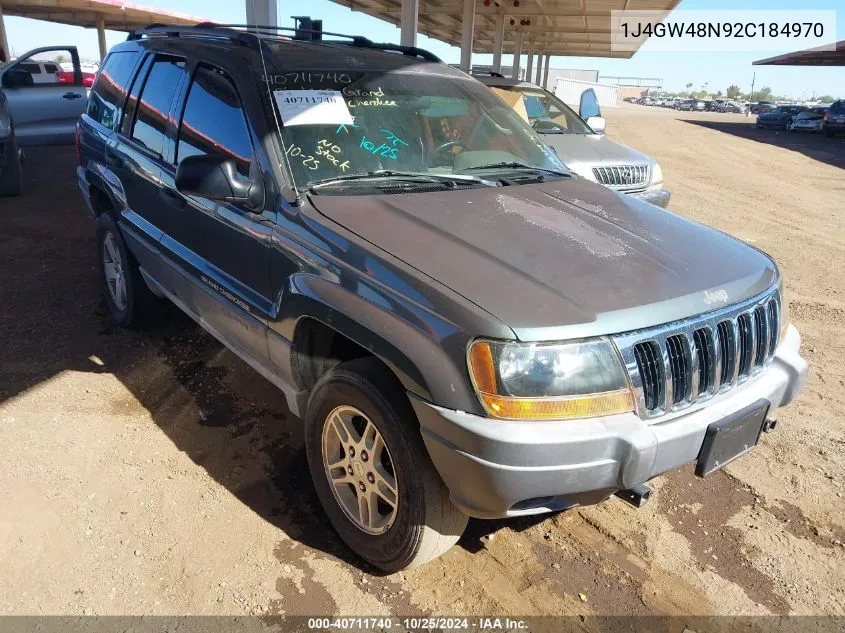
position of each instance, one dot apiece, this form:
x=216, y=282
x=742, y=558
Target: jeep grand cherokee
x=465, y=327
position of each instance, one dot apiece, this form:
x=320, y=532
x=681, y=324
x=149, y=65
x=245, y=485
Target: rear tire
x=423, y=522
x=125, y=292
x=11, y=182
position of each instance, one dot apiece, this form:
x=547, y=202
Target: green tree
x=689, y=85
x=764, y=94
x=61, y=59
x=826, y=99
x=719, y=94
x=733, y=91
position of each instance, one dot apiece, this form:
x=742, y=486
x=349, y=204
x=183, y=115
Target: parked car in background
x=691, y=105
x=11, y=170
x=763, y=106
x=89, y=73
x=712, y=106
x=45, y=112
x=780, y=118
x=732, y=106
x=582, y=144
x=42, y=72
x=657, y=102
x=834, y=118
x=811, y=120
x=464, y=327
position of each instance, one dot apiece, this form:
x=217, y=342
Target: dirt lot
x=153, y=472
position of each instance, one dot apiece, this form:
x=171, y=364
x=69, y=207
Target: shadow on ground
x=211, y=405
x=830, y=150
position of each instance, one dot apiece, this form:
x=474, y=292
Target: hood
x=582, y=152
x=560, y=260
x=773, y=115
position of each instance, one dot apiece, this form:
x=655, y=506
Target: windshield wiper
x=516, y=165
x=405, y=175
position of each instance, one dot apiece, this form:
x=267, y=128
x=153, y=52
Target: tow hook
x=769, y=425
x=637, y=495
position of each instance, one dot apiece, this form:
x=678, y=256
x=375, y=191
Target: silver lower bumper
x=500, y=468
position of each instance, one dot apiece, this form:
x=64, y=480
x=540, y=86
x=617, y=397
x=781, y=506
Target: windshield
x=399, y=122
x=546, y=113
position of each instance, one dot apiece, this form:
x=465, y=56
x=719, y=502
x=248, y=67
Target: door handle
x=171, y=196
x=71, y=95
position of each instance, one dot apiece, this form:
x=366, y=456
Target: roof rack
x=214, y=29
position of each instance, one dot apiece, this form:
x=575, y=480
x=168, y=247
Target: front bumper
x=497, y=468
x=660, y=197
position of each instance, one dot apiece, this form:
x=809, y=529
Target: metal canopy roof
x=808, y=57
x=556, y=27
x=117, y=15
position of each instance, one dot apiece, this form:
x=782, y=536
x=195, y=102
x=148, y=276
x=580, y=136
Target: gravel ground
x=152, y=472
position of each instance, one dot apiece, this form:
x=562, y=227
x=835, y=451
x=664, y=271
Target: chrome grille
x=679, y=364
x=651, y=371
x=622, y=176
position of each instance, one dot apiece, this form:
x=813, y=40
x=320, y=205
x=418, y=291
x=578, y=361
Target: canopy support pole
x=546, y=72
x=498, y=40
x=101, y=37
x=466, y=35
x=517, y=54
x=408, y=22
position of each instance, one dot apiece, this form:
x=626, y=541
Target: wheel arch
x=424, y=352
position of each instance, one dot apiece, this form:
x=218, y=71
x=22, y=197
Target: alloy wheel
x=360, y=470
x=113, y=269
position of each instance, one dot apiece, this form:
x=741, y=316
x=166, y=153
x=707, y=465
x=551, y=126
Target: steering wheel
x=443, y=147
x=546, y=125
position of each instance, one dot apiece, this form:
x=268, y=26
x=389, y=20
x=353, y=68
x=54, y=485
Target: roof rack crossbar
x=228, y=30
x=203, y=28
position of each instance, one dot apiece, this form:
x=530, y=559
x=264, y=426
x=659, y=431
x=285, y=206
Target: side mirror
x=216, y=177
x=17, y=78
x=589, y=104
x=597, y=123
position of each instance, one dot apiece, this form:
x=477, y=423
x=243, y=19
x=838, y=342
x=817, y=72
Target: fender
x=392, y=328
x=99, y=176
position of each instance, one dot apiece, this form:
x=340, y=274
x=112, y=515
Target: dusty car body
x=811, y=120
x=584, y=149
x=465, y=327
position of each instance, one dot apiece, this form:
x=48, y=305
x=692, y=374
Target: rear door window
x=109, y=91
x=152, y=114
x=213, y=122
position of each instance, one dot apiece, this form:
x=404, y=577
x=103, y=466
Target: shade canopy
x=820, y=56
x=555, y=27
x=116, y=14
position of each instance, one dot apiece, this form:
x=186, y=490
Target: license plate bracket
x=731, y=437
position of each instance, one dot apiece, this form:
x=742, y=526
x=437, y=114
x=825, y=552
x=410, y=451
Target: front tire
x=371, y=471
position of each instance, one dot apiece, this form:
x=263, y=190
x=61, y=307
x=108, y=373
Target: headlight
x=549, y=381
x=656, y=174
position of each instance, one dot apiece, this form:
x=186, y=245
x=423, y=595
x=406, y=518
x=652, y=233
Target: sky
x=716, y=70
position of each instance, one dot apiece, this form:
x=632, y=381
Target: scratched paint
x=565, y=225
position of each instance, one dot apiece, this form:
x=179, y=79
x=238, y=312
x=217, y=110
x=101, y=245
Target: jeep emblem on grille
x=717, y=296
